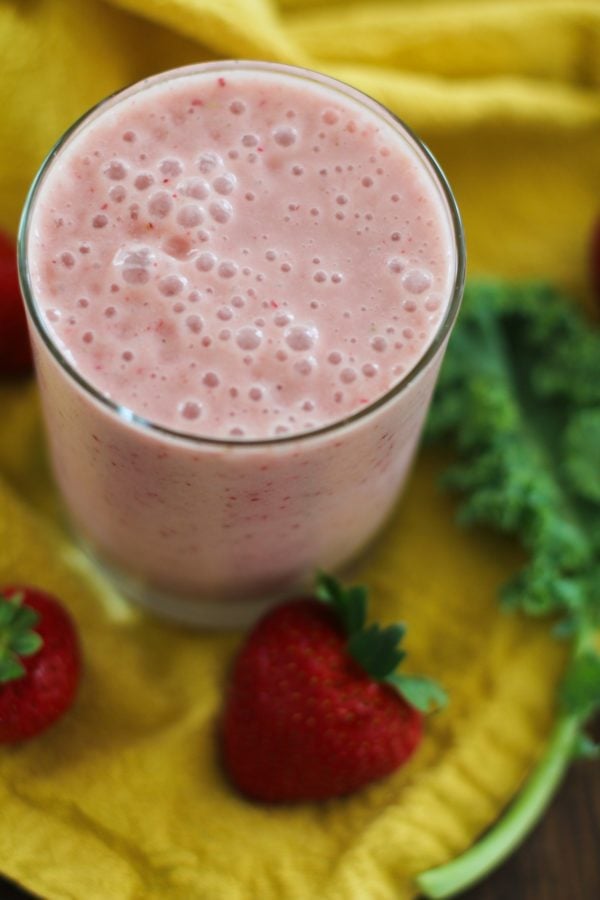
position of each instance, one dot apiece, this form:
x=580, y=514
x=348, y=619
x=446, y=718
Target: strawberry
x=39, y=662
x=15, y=350
x=315, y=708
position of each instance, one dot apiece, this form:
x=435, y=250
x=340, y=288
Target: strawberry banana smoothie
x=240, y=279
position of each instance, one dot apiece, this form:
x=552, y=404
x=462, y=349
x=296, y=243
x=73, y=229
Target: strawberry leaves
x=378, y=650
x=349, y=603
x=17, y=636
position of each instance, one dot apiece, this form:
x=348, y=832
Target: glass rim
x=128, y=415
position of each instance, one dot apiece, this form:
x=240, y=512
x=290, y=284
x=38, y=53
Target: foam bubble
x=238, y=302
x=206, y=261
x=367, y=181
x=285, y=136
x=337, y=278
x=334, y=358
x=135, y=264
x=83, y=303
x=88, y=337
x=224, y=313
x=110, y=312
x=270, y=255
x=301, y=337
x=248, y=338
x=190, y=409
x=255, y=393
x=347, y=376
x=330, y=116
x=227, y=269
x=432, y=304
x=196, y=188
x=190, y=215
x=297, y=170
x=369, y=370
x=117, y=193
x=395, y=265
x=237, y=107
x=320, y=276
x=211, y=380
x=221, y=211
x=250, y=140
x=178, y=247
x=100, y=221
x=208, y=162
x=416, y=281
x=194, y=323
x=342, y=199
x=160, y=204
x=379, y=344
x=67, y=259
x=53, y=315
x=127, y=355
x=171, y=168
x=283, y=318
x=225, y=184
x=116, y=170
x=304, y=366
x=171, y=285
x=143, y=181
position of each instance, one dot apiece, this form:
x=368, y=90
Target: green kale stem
x=519, y=396
x=506, y=835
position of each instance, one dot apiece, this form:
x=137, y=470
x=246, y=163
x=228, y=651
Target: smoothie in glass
x=240, y=279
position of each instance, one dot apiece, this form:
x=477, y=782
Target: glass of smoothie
x=240, y=278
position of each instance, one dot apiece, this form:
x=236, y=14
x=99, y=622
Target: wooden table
x=560, y=861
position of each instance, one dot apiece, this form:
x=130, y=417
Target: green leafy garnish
x=377, y=650
x=17, y=637
x=519, y=400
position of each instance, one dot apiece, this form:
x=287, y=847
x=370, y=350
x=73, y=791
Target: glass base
x=223, y=615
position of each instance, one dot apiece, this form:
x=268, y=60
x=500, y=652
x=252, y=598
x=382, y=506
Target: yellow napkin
x=124, y=799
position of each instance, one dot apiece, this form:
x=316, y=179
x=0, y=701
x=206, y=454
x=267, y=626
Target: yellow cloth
x=124, y=799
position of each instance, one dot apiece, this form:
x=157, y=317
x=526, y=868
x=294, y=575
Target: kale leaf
x=519, y=400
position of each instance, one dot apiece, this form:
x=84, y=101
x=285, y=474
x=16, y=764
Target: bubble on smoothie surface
x=254, y=269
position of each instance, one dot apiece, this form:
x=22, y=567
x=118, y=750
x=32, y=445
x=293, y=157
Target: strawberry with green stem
x=39, y=662
x=15, y=349
x=316, y=708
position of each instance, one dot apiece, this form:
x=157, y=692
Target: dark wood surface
x=559, y=861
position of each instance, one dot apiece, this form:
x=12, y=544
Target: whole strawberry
x=315, y=708
x=15, y=350
x=39, y=662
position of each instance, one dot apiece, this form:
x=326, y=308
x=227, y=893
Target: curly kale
x=519, y=399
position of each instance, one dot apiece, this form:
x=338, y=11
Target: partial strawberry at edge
x=40, y=662
x=304, y=719
x=15, y=349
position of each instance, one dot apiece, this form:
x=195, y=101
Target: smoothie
x=240, y=278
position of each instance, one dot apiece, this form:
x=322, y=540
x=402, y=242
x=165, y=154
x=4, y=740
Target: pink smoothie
x=246, y=255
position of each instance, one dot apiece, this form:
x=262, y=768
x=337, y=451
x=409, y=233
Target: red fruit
x=304, y=720
x=15, y=350
x=39, y=662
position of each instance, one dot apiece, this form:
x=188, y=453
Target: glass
x=207, y=531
